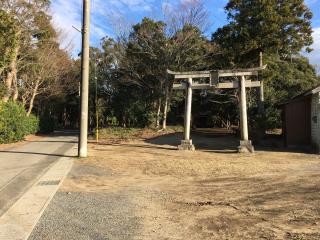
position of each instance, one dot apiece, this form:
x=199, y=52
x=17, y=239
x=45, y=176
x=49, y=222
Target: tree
x=273, y=27
x=186, y=13
x=188, y=50
x=8, y=39
x=9, y=35
x=33, y=29
x=44, y=74
x=144, y=65
x=33, y=68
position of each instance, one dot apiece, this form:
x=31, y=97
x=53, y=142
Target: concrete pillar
x=261, y=90
x=187, y=117
x=245, y=143
x=83, y=137
x=261, y=98
x=186, y=144
x=243, y=110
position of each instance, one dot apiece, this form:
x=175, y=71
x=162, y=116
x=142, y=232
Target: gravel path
x=81, y=216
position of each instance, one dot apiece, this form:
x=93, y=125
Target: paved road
x=22, y=166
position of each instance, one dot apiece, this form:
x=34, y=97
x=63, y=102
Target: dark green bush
x=14, y=122
x=145, y=119
x=47, y=124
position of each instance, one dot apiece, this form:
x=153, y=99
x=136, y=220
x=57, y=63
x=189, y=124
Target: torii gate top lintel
x=215, y=75
x=220, y=73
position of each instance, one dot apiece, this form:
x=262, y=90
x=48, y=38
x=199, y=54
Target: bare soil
x=213, y=193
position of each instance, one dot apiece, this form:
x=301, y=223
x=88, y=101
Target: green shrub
x=32, y=124
x=14, y=122
x=47, y=124
x=146, y=119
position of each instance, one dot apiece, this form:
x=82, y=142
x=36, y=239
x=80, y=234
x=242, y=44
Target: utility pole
x=96, y=101
x=83, y=137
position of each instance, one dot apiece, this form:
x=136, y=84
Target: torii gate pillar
x=245, y=143
x=186, y=144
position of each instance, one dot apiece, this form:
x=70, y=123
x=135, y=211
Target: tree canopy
x=129, y=84
x=273, y=27
x=8, y=39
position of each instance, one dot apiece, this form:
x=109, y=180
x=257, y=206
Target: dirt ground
x=213, y=193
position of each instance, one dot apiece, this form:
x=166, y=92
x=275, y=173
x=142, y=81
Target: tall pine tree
x=278, y=27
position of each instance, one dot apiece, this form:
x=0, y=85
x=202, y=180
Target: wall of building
x=297, y=115
x=315, y=120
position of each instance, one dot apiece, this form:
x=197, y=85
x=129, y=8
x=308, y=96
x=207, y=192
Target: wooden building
x=301, y=120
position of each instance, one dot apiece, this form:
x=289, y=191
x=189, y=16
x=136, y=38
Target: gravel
x=81, y=216
x=80, y=170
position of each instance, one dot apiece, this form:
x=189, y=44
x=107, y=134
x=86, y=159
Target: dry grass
x=206, y=194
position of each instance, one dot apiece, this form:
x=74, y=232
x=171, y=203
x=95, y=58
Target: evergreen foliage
x=14, y=122
x=272, y=27
x=8, y=39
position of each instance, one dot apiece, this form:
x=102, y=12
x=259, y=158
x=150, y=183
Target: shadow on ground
x=38, y=153
x=212, y=143
x=224, y=143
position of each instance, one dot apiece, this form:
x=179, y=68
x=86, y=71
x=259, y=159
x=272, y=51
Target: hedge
x=14, y=122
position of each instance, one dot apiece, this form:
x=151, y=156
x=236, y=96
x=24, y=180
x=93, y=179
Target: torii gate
x=215, y=83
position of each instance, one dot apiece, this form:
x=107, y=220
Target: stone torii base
x=186, y=145
x=246, y=147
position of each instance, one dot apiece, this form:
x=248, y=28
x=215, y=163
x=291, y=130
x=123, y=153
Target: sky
x=106, y=14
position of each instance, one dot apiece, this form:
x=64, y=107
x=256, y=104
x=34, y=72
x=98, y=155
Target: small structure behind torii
x=216, y=83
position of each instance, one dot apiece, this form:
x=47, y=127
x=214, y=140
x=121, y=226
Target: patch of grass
x=175, y=128
x=121, y=133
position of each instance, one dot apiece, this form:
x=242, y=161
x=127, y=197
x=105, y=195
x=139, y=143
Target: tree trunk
x=33, y=96
x=158, y=114
x=24, y=101
x=15, y=94
x=12, y=73
x=8, y=82
x=165, y=109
